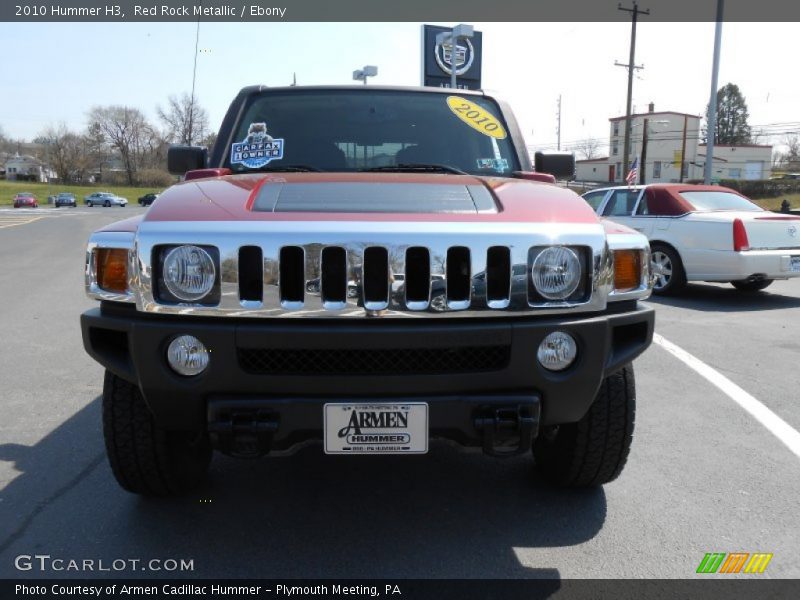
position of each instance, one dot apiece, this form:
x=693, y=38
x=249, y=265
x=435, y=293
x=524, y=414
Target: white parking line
x=777, y=426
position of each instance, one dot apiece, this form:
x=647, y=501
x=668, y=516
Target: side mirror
x=181, y=159
x=560, y=164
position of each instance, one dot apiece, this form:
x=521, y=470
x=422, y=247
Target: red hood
x=230, y=198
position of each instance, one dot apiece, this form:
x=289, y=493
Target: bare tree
x=792, y=143
x=66, y=152
x=185, y=120
x=588, y=148
x=125, y=129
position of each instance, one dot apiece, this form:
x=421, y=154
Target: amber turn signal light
x=627, y=270
x=111, y=267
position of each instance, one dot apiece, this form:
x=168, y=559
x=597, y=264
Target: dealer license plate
x=794, y=265
x=379, y=428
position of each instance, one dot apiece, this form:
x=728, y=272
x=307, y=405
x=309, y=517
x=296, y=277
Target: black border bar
x=442, y=11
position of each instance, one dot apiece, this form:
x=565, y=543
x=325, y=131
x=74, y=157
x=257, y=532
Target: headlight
x=556, y=272
x=189, y=273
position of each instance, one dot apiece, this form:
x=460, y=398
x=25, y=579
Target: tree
x=185, y=120
x=588, y=148
x=126, y=129
x=731, y=124
x=66, y=152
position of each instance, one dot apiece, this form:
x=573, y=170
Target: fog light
x=557, y=351
x=187, y=355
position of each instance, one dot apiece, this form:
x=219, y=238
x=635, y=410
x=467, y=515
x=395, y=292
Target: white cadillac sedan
x=705, y=233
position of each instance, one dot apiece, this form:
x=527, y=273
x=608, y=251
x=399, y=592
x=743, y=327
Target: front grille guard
x=458, y=283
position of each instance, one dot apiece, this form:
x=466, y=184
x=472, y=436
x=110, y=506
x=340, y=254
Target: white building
x=27, y=168
x=664, y=142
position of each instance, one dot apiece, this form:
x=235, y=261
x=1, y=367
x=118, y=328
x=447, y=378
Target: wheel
x=667, y=270
x=144, y=458
x=752, y=286
x=592, y=451
x=89, y=204
x=106, y=203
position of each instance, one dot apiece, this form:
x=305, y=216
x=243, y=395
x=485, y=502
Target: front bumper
x=292, y=369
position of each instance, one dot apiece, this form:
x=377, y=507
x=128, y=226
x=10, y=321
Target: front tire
x=594, y=450
x=668, y=271
x=144, y=458
x=752, y=286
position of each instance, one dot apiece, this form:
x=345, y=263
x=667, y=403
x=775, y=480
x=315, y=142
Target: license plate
x=379, y=428
x=794, y=265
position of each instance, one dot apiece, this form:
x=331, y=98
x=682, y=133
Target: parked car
x=148, y=199
x=251, y=310
x=24, y=199
x=705, y=233
x=104, y=199
x=66, y=199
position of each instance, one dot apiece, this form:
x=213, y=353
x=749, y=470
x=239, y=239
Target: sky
x=67, y=68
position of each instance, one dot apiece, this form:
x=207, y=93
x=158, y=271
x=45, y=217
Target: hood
x=368, y=197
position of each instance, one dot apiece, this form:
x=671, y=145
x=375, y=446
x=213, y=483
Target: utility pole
x=558, y=127
x=644, y=151
x=194, y=79
x=712, y=103
x=683, y=147
x=635, y=12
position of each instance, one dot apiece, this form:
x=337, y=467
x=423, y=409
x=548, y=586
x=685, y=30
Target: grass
x=775, y=203
x=41, y=190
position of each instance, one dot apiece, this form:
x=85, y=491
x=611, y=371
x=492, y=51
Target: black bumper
x=291, y=368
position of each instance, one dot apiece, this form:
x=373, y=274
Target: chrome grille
x=316, y=269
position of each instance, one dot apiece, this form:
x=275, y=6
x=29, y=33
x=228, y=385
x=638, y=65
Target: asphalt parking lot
x=704, y=474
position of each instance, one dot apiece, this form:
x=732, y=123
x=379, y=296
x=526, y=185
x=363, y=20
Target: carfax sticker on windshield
x=494, y=164
x=257, y=149
x=476, y=117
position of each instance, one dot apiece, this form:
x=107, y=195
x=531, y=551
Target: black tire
x=106, y=203
x=673, y=282
x=594, y=450
x=144, y=458
x=89, y=204
x=752, y=286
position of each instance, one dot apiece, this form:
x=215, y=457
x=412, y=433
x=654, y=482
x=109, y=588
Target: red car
x=25, y=199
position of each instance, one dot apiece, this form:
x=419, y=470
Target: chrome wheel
x=662, y=269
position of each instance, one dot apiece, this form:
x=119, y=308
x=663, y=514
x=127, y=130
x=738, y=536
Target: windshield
x=712, y=200
x=342, y=130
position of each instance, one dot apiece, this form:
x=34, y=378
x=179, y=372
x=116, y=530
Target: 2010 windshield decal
x=257, y=149
x=476, y=117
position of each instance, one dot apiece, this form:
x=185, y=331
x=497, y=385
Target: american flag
x=633, y=173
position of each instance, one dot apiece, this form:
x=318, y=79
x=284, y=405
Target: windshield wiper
x=292, y=169
x=411, y=167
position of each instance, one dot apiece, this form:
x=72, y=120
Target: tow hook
x=241, y=432
x=508, y=430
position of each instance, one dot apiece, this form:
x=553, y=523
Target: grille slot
x=417, y=277
x=372, y=361
x=251, y=274
x=333, y=283
x=458, y=277
x=376, y=278
x=498, y=276
x=292, y=268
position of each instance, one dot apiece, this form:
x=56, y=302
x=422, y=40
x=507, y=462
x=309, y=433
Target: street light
x=452, y=37
x=367, y=71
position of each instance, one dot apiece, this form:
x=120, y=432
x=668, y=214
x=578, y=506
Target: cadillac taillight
x=740, y=241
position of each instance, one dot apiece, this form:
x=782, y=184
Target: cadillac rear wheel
x=594, y=450
x=146, y=459
x=668, y=274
